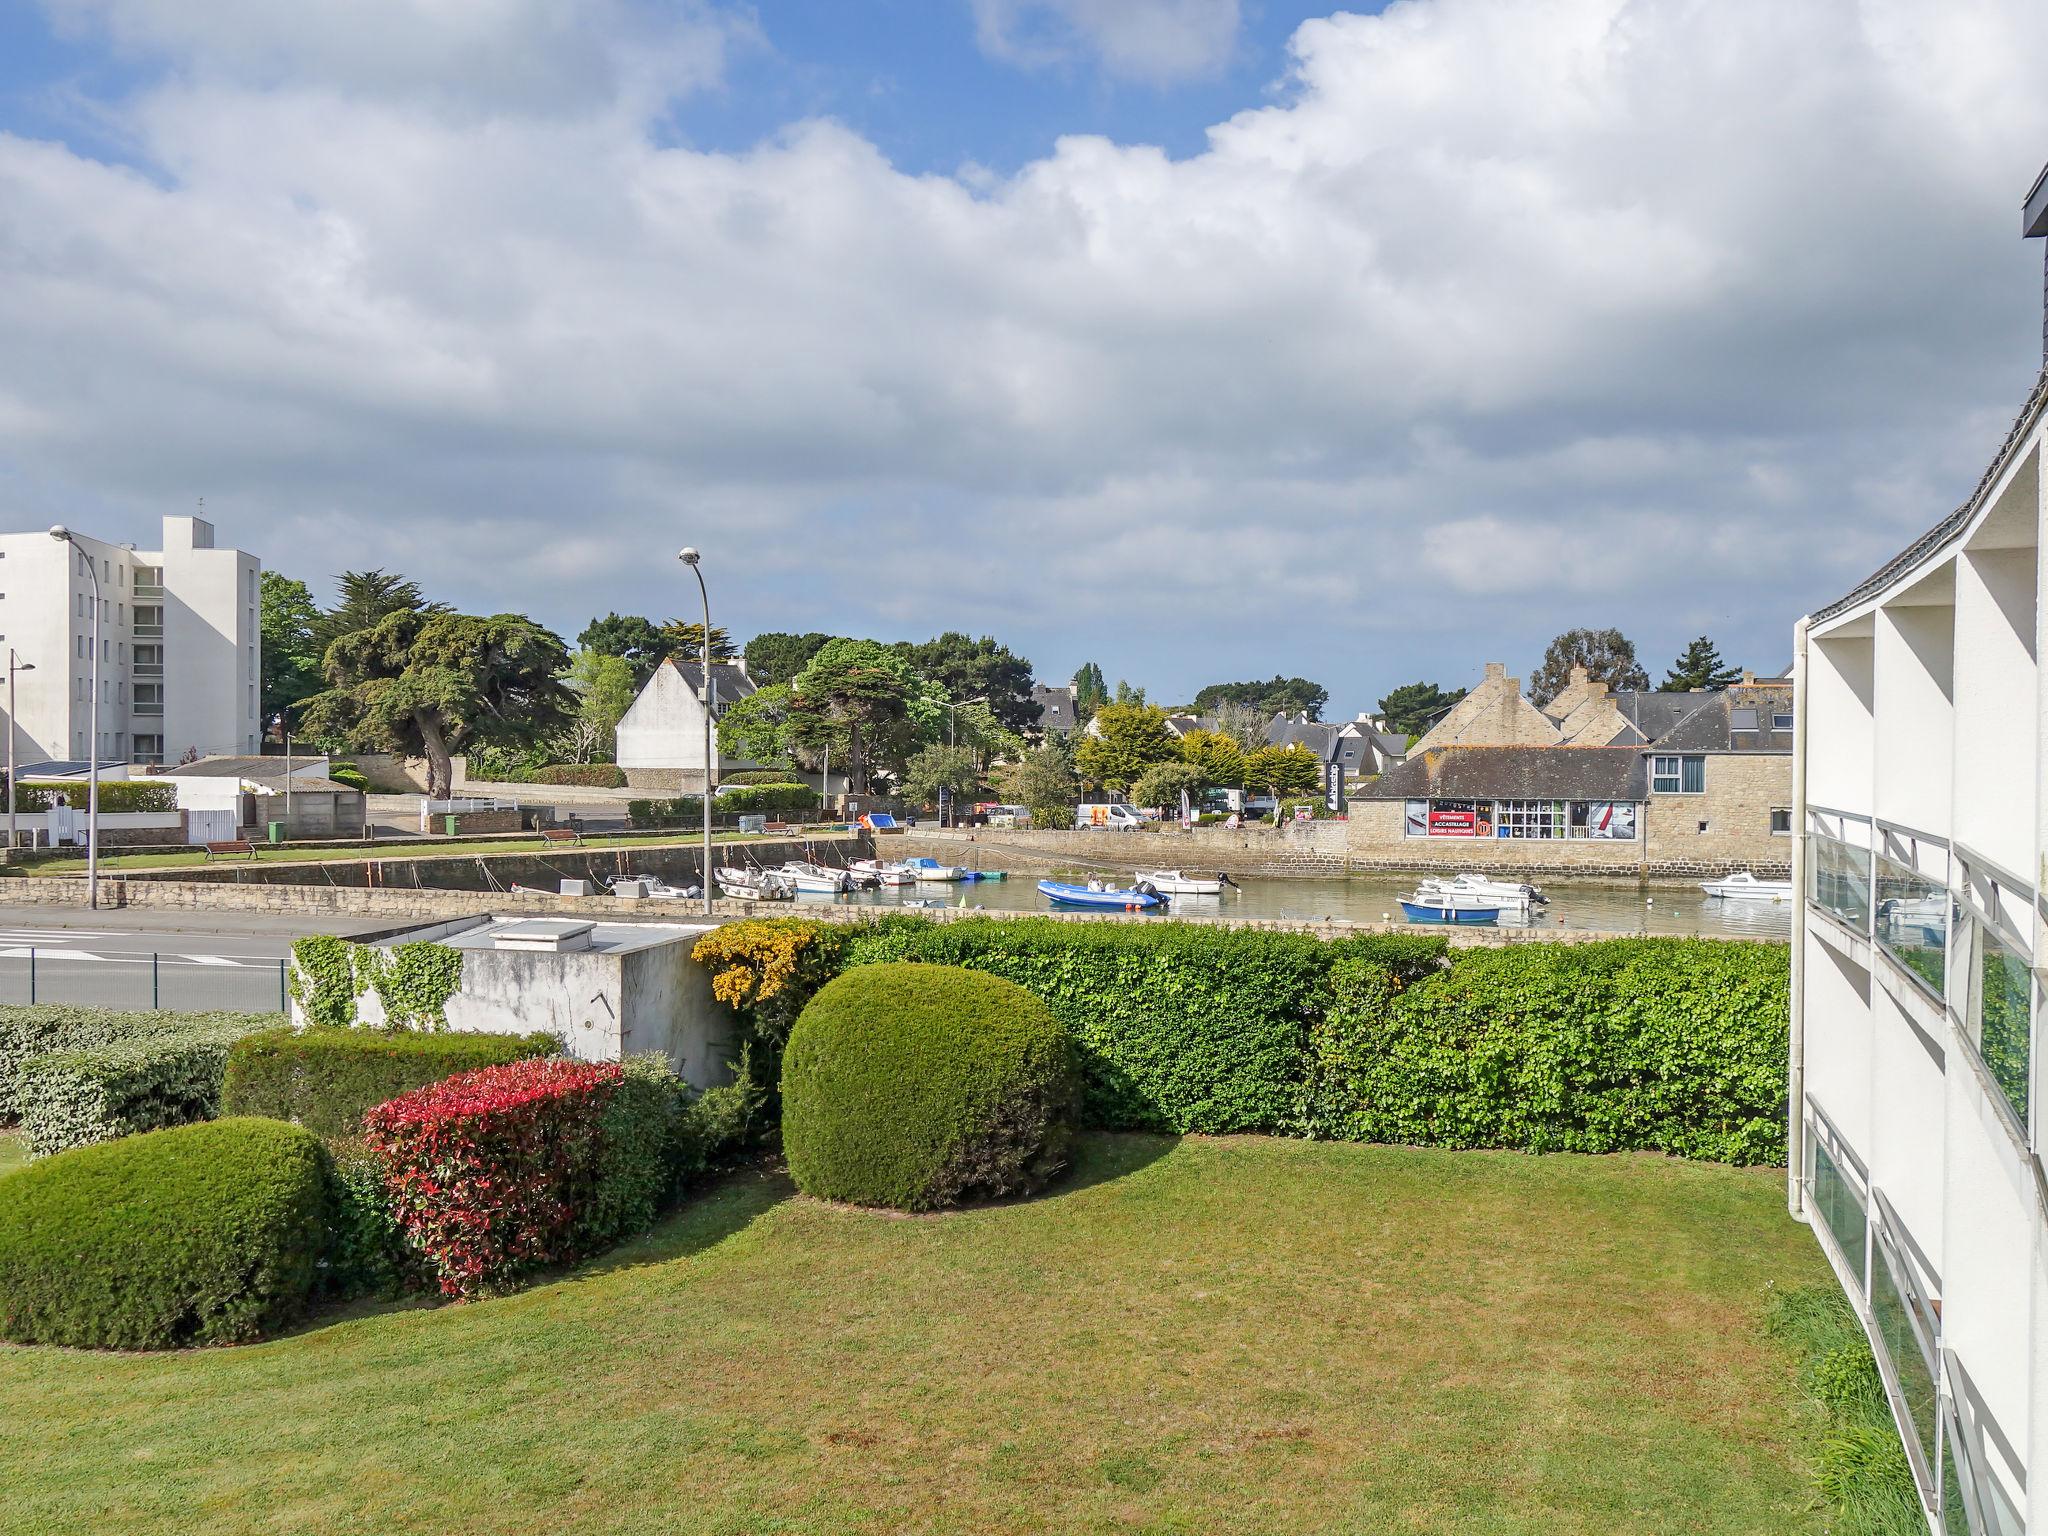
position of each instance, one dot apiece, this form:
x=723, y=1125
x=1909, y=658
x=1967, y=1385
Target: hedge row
x=26, y=1033
x=325, y=1079
x=1676, y=1045
x=580, y=775
x=746, y=800
x=115, y=794
x=144, y=1083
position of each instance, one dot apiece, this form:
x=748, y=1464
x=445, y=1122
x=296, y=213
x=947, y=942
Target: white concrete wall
x=1914, y=715
x=1994, y=740
x=211, y=643
x=664, y=728
x=1839, y=724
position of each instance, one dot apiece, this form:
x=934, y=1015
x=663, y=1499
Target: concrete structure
x=610, y=990
x=227, y=797
x=179, y=642
x=1915, y=1078
x=661, y=737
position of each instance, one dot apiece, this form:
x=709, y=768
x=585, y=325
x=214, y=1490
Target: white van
x=1122, y=817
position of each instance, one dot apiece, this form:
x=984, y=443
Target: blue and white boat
x=1138, y=898
x=1447, y=907
x=932, y=869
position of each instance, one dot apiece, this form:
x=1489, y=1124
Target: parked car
x=1115, y=816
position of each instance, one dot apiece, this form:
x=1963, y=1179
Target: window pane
x=1695, y=775
x=1741, y=719
x=1841, y=881
x=1895, y=1327
x=1781, y=722
x=1840, y=1206
x=1912, y=921
x=1999, y=1015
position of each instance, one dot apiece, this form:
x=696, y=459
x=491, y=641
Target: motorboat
x=1743, y=886
x=1514, y=892
x=753, y=884
x=1174, y=882
x=1097, y=894
x=984, y=874
x=815, y=879
x=932, y=869
x=651, y=888
x=1448, y=907
x=883, y=871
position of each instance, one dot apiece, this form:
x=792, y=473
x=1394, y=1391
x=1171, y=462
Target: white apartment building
x=179, y=641
x=1916, y=1080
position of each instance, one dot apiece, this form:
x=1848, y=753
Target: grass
x=13, y=1152
x=356, y=853
x=1206, y=1336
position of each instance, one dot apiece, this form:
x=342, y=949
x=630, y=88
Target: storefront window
x=1912, y=921
x=1528, y=818
x=1604, y=820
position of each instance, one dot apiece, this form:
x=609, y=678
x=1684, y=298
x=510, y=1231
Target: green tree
x=855, y=699
x=1043, y=782
x=979, y=670
x=1216, y=756
x=684, y=639
x=433, y=684
x=1161, y=785
x=774, y=657
x=1413, y=708
x=1606, y=654
x=1128, y=739
x=362, y=599
x=290, y=665
x=604, y=690
x=1700, y=666
x=1288, y=770
x=1244, y=724
x=1091, y=692
x=936, y=768
x=756, y=728
x=1289, y=695
x=635, y=640
x=1130, y=694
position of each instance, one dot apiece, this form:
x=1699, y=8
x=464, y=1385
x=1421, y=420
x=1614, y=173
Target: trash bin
x=277, y=831
x=448, y=825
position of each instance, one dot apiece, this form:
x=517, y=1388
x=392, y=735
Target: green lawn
x=355, y=853
x=1235, y=1335
x=12, y=1153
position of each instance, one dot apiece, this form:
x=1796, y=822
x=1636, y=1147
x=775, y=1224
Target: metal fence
x=137, y=982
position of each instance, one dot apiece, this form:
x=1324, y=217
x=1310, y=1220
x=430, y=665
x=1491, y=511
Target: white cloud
x=1152, y=40
x=1682, y=313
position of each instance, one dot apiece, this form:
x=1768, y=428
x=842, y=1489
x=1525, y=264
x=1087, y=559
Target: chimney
x=1593, y=690
x=1578, y=675
x=1495, y=669
x=2033, y=226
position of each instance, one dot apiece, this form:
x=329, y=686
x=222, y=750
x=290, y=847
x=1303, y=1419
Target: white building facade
x=180, y=648
x=1916, y=1081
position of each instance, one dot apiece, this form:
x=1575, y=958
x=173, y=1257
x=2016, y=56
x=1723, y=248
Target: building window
x=1529, y=818
x=148, y=748
x=1685, y=775
x=1839, y=1204
x=149, y=698
x=1781, y=722
x=1603, y=820
x=1741, y=719
x=1781, y=821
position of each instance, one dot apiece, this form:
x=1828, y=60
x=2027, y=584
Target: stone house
x=1595, y=782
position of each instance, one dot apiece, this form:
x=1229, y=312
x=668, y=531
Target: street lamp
x=64, y=535
x=690, y=557
x=13, y=666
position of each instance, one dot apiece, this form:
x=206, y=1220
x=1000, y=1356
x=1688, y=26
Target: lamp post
x=64, y=535
x=13, y=666
x=691, y=558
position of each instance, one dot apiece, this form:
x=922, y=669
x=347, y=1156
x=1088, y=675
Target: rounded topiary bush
x=201, y=1234
x=916, y=1086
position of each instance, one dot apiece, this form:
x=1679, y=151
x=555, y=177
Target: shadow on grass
x=710, y=1214
x=1103, y=1156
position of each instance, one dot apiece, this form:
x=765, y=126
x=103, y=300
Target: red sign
x=1453, y=823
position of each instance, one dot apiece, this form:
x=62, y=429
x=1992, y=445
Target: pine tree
x=1700, y=666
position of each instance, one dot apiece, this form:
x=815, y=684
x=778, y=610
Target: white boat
x=753, y=884
x=932, y=869
x=1514, y=892
x=1743, y=886
x=651, y=888
x=1174, y=882
x=883, y=871
x=815, y=879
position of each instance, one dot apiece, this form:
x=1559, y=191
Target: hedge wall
x=747, y=800
x=1181, y=1026
x=36, y=1031
x=326, y=1079
x=582, y=775
x=115, y=794
x=1675, y=1045
x=145, y=1082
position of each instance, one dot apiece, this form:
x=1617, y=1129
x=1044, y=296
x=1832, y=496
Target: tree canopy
x=1606, y=654
x=1216, y=756
x=981, y=670
x=941, y=767
x=1043, y=782
x=1162, y=784
x=861, y=701
x=1699, y=666
x=774, y=657
x=432, y=683
x=364, y=597
x=1290, y=695
x=685, y=641
x=1091, y=692
x=604, y=690
x=757, y=727
x=1413, y=708
x=637, y=641
x=290, y=663
x=1288, y=770
x=1129, y=738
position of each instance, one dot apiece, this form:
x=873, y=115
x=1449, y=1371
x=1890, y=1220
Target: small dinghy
x=815, y=879
x=1443, y=907
x=753, y=884
x=1743, y=886
x=882, y=871
x=1174, y=882
x=1137, y=898
x=932, y=869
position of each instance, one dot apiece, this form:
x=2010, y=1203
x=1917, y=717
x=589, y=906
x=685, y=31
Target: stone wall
x=1741, y=791
x=1294, y=849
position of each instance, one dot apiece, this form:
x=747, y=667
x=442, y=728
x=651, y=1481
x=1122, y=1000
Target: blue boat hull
x=1064, y=895
x=1477, y=916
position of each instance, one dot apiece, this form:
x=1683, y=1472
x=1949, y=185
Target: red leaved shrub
x=489, y=1170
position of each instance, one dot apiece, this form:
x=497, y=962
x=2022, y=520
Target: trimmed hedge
x=35, y=1031
x=150, y=1080
x=581, y=775
x=747, y=800
x=1673, y=1045
x=202, y=1234
x=918, y=1086
x=1181, y=1026
x=115, y=794
x=327, y=1079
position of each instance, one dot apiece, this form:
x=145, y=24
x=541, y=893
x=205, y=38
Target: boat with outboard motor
x=1141, y=897
x=816, y=879
x=651, y=888
x=1744, y=886
x=1174, y=882
x=1449, y=907
x=1513, y=897
x=754, y=884
x=932, y=869
x=882, y=871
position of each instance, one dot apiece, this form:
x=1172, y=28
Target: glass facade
x=1997, y=1013
x=1894, y=1316
x=1841, y=881
x=1840, y=1205
x=1912, y=921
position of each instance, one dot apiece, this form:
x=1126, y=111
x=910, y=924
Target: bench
x=561, y=835
x=235, y=847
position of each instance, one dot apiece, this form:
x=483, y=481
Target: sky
x=1202, y=339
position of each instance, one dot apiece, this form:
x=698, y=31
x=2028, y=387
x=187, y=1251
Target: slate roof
x=1710, y=726
x=733, y=684
x=1515, y=773
x=1290, y=730
x=1930, y=541
x=1055, y=707
x=244, y=767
